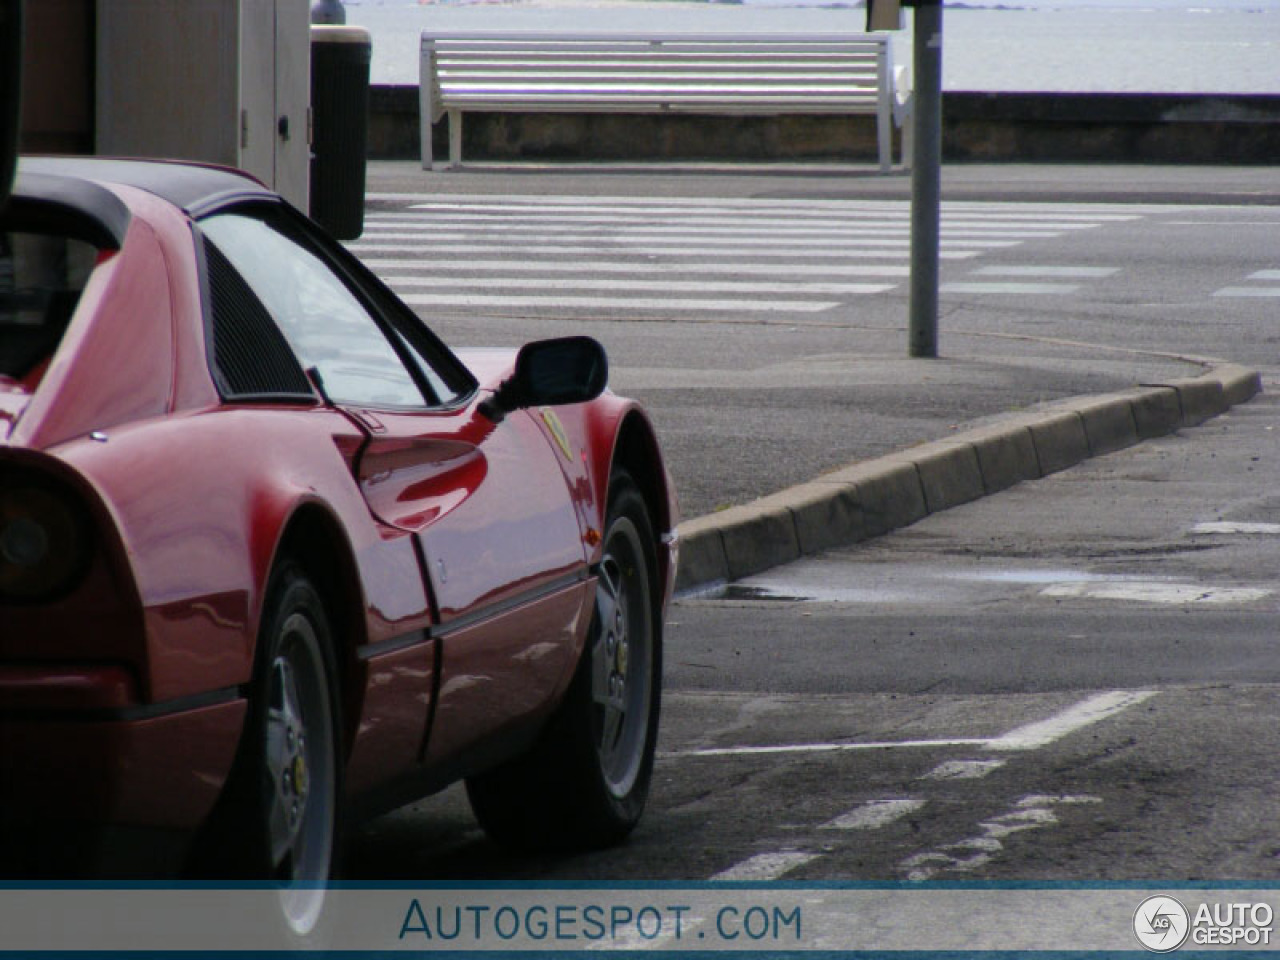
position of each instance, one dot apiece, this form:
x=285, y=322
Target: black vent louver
x=251, y=358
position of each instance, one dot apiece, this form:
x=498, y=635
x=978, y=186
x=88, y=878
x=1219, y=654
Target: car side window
x=328, y=327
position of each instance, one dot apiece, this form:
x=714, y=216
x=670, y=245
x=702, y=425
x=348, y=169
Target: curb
x=876, y=496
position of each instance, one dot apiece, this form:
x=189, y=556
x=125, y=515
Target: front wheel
x=585, y=782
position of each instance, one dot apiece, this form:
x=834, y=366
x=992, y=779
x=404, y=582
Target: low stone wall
x=977, y=127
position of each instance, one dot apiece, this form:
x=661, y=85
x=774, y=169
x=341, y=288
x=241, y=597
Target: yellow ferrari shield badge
x=557, y=431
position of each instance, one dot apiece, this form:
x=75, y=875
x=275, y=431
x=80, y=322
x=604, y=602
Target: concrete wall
x=978, y=127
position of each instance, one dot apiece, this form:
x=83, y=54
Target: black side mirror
x=10, y=91
x=551, y=372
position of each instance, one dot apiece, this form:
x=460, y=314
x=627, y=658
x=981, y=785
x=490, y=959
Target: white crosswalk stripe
x=1260, y=283
x=513, y=254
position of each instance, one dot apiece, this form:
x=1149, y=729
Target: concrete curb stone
x=1006, y=455
x=949, y=472
x=1060, y=440
x=1156, y=411
x=1109, y=423
x=889, y=492
x=874, y=497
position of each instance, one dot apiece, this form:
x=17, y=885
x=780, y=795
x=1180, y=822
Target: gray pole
x=926, y=179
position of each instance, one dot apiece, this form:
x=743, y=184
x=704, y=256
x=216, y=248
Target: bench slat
x=550, y=90
x=622, y=78
x=827, y=62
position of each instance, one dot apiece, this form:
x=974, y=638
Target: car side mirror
x=551, y=372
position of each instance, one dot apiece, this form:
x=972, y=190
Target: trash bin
x=339, y=132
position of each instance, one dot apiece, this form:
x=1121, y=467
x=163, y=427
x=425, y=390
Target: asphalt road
x=1071, y=680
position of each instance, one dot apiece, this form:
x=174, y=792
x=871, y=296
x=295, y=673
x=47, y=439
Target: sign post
x=922, y=333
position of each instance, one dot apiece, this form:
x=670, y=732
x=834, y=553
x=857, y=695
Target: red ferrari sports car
x=271, y=555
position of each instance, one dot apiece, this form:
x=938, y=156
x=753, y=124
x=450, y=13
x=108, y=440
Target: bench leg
x=908, y=125
x=884, y=131
x=426, y=108
x=455, y=139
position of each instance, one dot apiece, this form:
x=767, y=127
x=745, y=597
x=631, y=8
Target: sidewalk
x=793, y=434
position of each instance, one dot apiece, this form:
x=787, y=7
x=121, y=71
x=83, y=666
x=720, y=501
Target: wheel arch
x=637, y=452
x=314, y=539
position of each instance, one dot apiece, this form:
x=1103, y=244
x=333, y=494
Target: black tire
x=584, y=783
x=279, y=817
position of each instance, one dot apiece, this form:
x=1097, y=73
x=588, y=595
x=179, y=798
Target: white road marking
x=1028, y=737
x=1001, y=209
x=539, y=220
x=1010, y=288
x=1155, y=592
x=1265, y=275
x=1056, y=799
x=367, y=250
x=623, y=239
x=1041, y=733
x=1222, y=223
x=708, y=287
x=1046, y=271
x=626, y=267
x=874, y=814
x=963, y=769
x=1231, y=527
x=514, y=252
x=1248, y=292
x=656, y=231
x=827, y=748
x=616, y=303
x=767, y=866
x=1029, y=813
x=752, y=212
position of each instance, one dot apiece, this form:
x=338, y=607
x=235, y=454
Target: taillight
x=44, y=539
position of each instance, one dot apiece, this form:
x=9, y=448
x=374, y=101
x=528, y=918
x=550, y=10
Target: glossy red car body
x=455, y=554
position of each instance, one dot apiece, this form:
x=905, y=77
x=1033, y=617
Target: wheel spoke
x=277, y=751
x=604, y=647
x=285, y=749
x=614, y=716
x=282, y=836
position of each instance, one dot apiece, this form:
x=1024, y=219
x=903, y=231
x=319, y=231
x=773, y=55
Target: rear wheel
x=278, y=820
x=299, y=758
x=585, y=782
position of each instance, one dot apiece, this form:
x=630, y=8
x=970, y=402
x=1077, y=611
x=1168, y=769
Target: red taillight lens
x=44, y=542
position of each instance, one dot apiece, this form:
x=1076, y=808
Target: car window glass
x=326, y=325
x=41, y=279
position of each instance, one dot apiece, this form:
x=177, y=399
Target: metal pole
x=926, y=179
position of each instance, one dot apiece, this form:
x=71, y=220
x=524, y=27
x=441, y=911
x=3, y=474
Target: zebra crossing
x=637, y=257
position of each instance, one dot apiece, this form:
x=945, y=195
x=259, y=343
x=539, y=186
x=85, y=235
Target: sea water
x=1134, y=46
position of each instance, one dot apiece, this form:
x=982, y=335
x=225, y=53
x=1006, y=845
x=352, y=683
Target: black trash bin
x=340, y=127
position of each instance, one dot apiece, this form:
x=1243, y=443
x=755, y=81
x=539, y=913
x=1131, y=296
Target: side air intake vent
x=251, y=358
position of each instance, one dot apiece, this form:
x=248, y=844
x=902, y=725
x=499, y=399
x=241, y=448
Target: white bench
x=661, y=73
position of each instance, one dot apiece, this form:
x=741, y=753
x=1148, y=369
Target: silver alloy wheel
x=621, y=659
x=300, y=770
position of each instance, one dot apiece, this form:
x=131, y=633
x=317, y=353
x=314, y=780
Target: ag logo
x=1161, y=924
